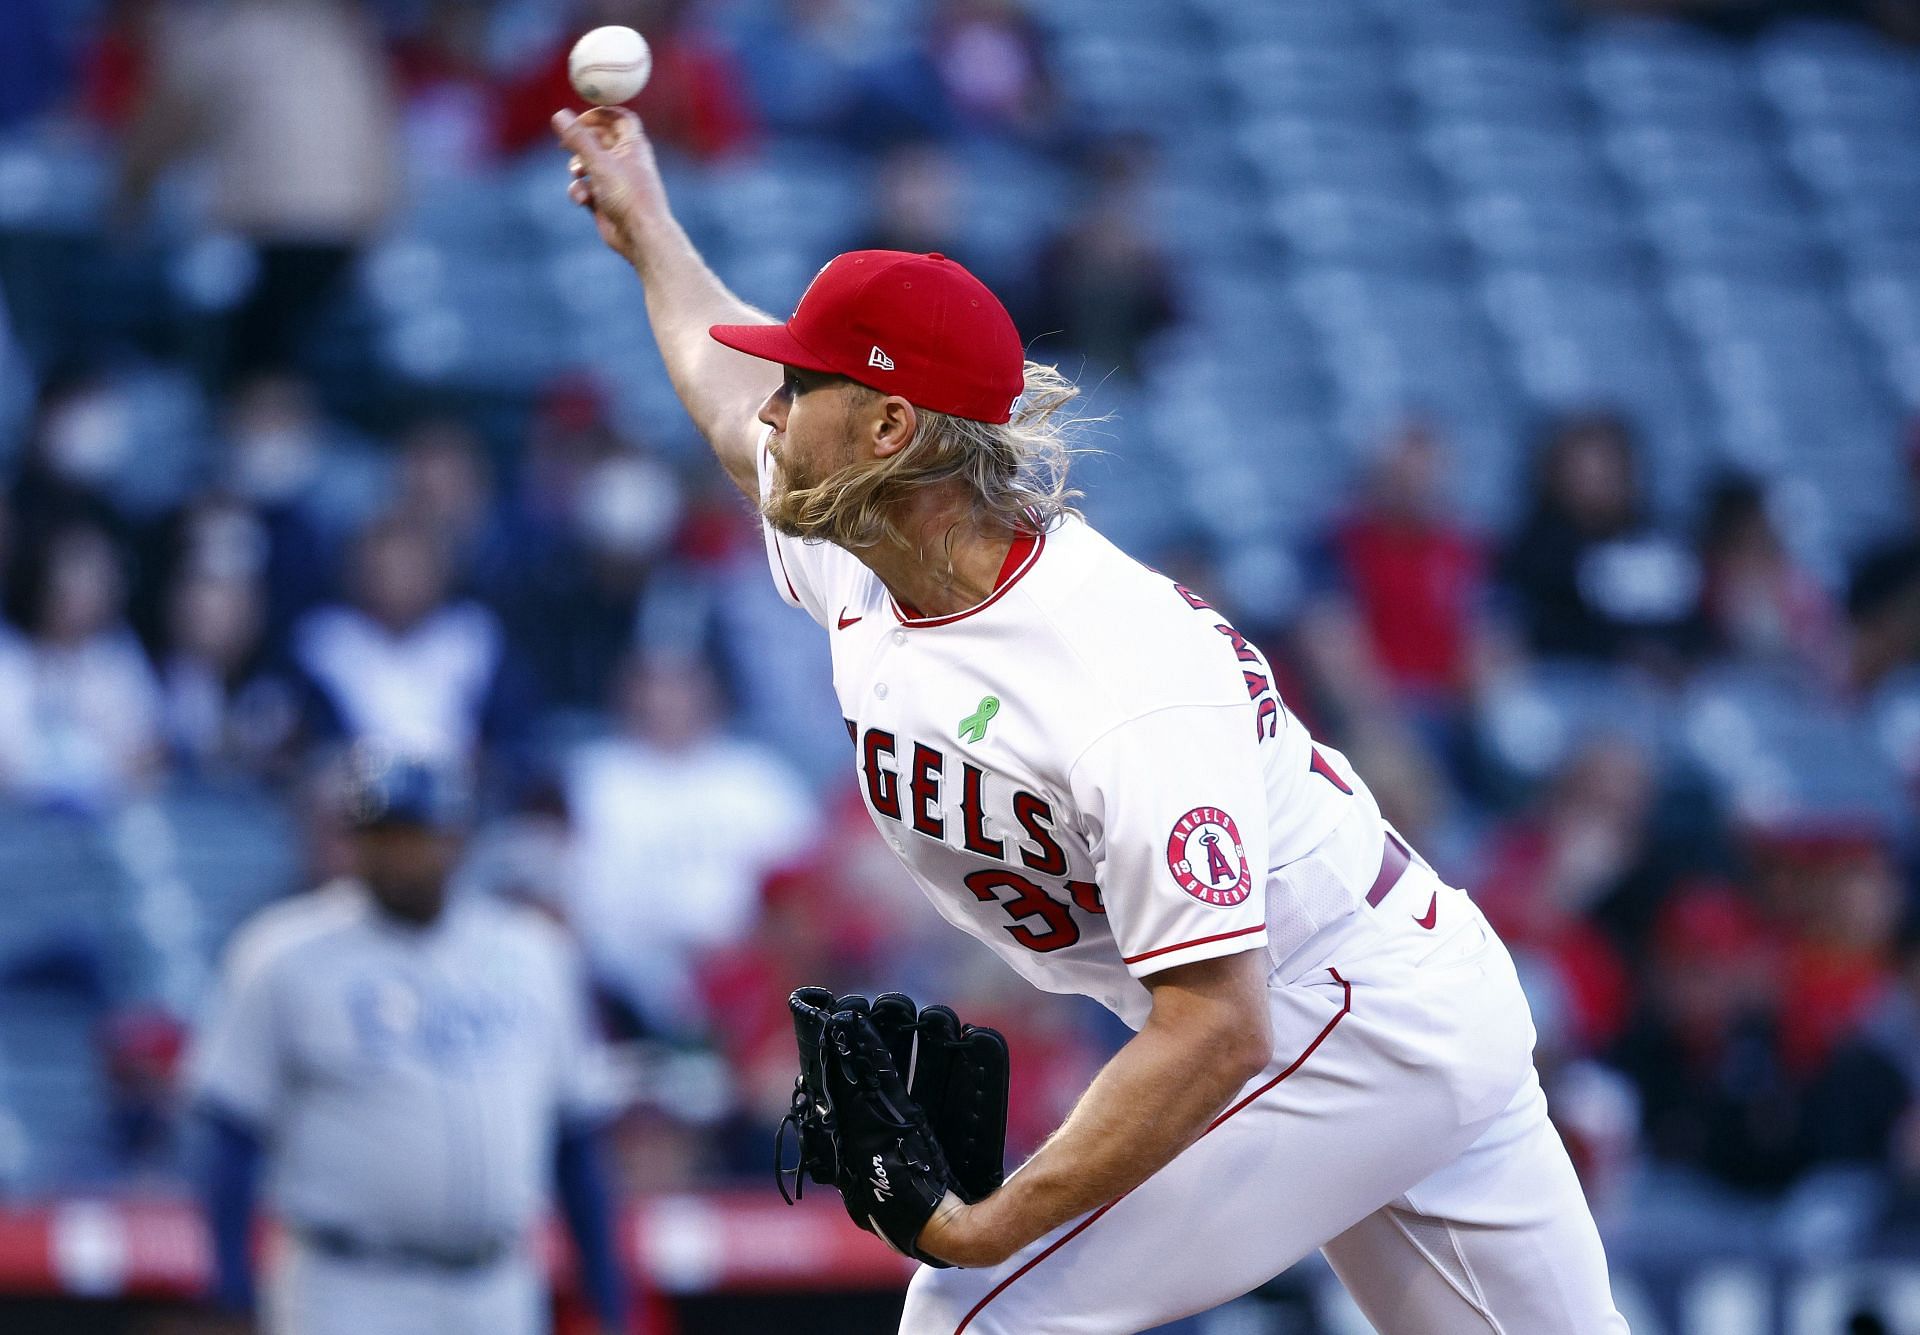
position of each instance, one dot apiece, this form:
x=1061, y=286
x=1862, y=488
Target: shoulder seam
x=1128, y=722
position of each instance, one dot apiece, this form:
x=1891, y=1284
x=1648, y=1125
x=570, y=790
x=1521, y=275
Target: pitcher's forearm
x=721, y=389
x=1206, y=1036
x=1150, y=1102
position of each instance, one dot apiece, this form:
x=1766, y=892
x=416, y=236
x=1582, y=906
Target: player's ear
x=893, y=431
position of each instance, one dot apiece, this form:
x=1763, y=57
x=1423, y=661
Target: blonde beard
x=795, y=511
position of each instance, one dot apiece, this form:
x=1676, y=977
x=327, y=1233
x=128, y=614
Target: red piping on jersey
x=1346, y=1008
x=1022, y=555
x=1199, y=941
x=780, y=556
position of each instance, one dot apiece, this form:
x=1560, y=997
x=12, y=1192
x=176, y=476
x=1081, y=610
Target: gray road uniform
x=407, y=1084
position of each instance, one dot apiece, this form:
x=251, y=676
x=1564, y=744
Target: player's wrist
x=962, y=1235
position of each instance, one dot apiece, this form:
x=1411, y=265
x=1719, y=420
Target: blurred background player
x=413, y=1072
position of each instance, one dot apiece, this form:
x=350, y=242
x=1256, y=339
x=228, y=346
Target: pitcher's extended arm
x=615, y=176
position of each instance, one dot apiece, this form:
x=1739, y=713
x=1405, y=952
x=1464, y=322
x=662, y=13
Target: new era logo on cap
x=949, y=344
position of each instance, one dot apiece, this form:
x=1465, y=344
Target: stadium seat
x=1780, y=751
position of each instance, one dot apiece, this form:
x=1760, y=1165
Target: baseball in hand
x=610, y=65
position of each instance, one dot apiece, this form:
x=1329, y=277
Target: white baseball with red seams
x=1092, y=773
x=610, y=65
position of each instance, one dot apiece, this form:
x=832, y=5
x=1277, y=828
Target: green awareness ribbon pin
x=973, y=728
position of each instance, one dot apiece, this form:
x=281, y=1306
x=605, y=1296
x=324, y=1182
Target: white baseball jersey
x=1091, y=771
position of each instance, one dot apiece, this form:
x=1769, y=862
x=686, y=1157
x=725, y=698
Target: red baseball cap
x=919, y=326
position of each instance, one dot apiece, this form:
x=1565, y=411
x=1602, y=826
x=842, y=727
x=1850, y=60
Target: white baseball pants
x=1400, y=1129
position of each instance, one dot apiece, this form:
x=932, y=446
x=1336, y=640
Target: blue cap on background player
x=384, y=788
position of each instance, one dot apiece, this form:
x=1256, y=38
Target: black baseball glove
x=895, y=1106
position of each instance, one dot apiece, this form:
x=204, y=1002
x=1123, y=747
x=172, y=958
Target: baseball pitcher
x=1086, y=767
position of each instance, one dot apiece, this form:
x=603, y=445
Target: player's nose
x=773, y=411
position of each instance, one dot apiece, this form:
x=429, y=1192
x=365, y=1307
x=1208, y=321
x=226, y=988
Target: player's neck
x=947, y=564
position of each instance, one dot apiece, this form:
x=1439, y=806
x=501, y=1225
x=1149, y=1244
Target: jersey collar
x=1022, y=555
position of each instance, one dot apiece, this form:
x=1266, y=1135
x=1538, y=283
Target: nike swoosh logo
x=846, y=620
x=1433, y=912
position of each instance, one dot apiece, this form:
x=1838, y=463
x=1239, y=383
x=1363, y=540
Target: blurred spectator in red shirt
x=1837, y=901
x=1739, y=1074
x=451, y=104
x=692, y=103
x=1417, y=578
x=1761, y=605
x=1547, y=872
x=117, y=62
x=1398, y=637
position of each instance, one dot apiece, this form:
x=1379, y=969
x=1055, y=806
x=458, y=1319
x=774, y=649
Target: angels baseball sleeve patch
x=1206, y=857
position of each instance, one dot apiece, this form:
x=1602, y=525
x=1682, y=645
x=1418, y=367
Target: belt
x=344, y=1246
x=1395, y=858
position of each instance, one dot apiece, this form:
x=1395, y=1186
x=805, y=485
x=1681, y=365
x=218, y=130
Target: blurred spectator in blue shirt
x=34, y=71
x=593, y=528
x=225, y=709
x=845, y=71
x=304, y=480
x=446, y=486
x=408, y=665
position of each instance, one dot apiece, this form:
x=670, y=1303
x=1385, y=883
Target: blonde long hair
x=1014, y=471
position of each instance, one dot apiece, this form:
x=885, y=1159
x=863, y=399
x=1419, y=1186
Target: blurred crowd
x=1728, y=1001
